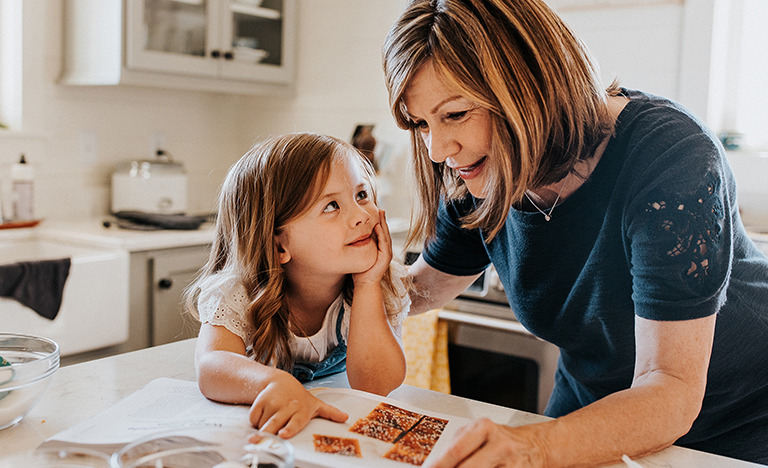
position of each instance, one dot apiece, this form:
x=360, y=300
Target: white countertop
x=93, y=233
x=80, y=391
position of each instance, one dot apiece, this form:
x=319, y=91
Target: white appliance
x=150, y=186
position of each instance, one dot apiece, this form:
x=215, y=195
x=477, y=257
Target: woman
x=611, y=218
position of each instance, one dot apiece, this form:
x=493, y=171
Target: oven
x=492, y=357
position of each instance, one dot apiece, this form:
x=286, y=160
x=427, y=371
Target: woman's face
x=456, y=131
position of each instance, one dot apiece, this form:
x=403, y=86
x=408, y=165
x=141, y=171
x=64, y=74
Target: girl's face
x=334, y=235
x=456, y=131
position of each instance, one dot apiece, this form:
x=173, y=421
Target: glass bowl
x=25, y=374
x=206, y=447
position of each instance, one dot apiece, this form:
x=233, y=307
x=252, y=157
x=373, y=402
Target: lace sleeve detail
x=225, y=306
x=681, y=252
x=691, y=230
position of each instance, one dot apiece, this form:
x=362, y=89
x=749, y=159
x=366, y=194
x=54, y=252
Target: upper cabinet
x=238, y=46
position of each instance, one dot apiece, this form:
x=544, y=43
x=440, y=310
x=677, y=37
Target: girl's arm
x=375, y=360
x=279, y=403
x=660, y=407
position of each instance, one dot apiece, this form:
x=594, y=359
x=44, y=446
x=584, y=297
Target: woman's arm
x=279, y=403
x=375, y=360
x=660, y=407
x=432, y=288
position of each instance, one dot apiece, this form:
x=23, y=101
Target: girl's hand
x=484, y=443
x=285, y=407
x=384, y=244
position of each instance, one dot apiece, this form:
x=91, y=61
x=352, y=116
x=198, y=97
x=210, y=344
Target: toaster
x=149, y=186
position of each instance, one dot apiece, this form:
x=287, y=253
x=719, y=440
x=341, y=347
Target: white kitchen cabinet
x=158, y=279
x=215, y=45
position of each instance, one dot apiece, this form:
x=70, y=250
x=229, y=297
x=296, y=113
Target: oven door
x=493, y=358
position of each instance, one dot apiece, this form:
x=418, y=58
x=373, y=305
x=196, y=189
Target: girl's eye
x=332, y=206
x=362, y=195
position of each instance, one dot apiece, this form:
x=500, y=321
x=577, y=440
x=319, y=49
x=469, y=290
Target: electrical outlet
x=156, y=142
x=88, y=142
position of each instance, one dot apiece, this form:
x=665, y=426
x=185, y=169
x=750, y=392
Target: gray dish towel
x=38, y=285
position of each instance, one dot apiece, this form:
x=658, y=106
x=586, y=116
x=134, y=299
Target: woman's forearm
x=375, y=360
x=636, y=422
x=432, y=288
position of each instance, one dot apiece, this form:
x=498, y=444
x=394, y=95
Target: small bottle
x=22, y=179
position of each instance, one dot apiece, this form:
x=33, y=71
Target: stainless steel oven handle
x=482, y=321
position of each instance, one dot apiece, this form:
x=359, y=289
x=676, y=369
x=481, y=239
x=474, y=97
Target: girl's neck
x=308, y=301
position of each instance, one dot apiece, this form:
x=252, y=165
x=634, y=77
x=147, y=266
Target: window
x=10, y=64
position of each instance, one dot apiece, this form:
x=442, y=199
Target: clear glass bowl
x=33, y=360
x=206, y=447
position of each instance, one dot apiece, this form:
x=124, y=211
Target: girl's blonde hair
x=276, y=181
x=521, y=62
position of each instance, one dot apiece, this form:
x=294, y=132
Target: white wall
x=339, y=83
x=648, y=44
x=708, y=55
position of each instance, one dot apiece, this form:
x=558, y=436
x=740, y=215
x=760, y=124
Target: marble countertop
x=78, y=392
x=93, y=233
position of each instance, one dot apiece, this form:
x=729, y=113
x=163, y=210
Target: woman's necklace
x=548, y=214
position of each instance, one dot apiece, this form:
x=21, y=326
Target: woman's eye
x=421, y=125
x=332, y=206
x=362, y=195
x=457, y=115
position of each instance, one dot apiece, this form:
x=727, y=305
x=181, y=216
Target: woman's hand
x=384, y=257
x=484, y=443
x=285, y=407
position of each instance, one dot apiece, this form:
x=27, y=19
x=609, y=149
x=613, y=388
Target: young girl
x=300, y=284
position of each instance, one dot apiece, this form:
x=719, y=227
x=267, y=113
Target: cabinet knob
x=228, y=55
x=165, y=283
x=215, y=54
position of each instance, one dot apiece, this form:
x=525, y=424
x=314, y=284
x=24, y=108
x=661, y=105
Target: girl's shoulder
x=220, y=285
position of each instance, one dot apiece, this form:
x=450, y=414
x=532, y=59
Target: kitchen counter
x=94, y=233
x=80, y=391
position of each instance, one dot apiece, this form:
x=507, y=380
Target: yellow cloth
x=425, y=338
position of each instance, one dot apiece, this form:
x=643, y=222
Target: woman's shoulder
x=652, y=127
x=648, y=112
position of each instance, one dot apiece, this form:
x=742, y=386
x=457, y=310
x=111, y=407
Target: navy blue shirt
x=654, y=232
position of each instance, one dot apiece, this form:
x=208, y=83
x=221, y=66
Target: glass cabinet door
x=245, y=40
x=259, y=40
x=170, y=36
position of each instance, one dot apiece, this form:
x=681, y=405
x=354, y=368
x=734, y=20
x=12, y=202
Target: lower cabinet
x=158, y=279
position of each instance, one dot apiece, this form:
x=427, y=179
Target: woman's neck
x=547, y=196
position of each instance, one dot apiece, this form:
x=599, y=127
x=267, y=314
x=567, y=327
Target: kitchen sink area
x=123, y=290
x=94, y=305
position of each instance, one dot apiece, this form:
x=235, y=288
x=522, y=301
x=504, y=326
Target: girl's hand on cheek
x=384, y=257
x=285, y=407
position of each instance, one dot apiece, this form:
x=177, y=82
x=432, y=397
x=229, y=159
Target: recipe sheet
x=165, y=404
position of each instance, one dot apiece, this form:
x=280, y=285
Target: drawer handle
x=165, y=283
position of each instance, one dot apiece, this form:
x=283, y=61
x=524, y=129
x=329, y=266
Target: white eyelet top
x=223, y=302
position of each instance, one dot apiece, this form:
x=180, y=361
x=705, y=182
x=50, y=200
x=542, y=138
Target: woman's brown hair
x=276, y=181
x=521, y=62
